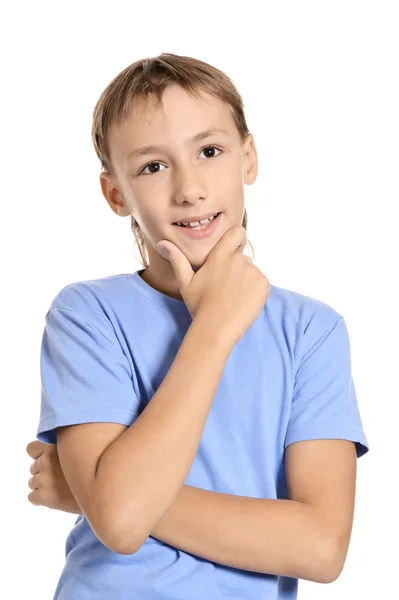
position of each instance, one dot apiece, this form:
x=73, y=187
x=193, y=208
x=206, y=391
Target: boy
x=200, y=413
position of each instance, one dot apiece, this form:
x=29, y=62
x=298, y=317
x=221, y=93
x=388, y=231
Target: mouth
x=199, y=225
x=200, y=231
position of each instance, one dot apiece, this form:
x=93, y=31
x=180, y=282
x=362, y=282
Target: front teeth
x=196, y=223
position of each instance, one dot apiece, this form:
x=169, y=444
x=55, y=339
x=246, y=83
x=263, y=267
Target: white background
x=320, y=87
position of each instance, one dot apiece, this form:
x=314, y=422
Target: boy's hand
x=228, y=290
x=48, y=483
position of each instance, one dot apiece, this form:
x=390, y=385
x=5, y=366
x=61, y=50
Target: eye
x=212, y=148
x=151, y=164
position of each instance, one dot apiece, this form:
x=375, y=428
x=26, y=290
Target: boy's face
x=187, y=180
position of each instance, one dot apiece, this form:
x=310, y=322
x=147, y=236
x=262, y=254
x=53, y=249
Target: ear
x=250, y=160
x=112, y=195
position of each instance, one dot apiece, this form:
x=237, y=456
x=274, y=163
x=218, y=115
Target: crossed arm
x=306, y=536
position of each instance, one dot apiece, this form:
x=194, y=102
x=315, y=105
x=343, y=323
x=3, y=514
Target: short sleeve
x=85, y=376
x=324, y=403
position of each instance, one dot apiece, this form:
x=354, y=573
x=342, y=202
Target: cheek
x=233, y=192
x=153, y=224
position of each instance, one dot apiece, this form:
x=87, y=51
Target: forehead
x=178, y=116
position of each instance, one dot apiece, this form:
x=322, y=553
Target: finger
x=34, y=482
x=180, y=264
x=241, y=247
x=35, y=448
x=34, y=498
x=34, y=469
x=234, y=240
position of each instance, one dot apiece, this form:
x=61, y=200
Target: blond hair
x=151, y=76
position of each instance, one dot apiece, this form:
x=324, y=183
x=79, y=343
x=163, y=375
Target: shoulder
x=308, y=314
x=93, y=299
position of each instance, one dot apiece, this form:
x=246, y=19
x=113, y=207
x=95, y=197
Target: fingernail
x=163, y=249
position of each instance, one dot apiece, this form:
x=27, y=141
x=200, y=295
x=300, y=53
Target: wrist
x=217, y=333
x=69, y=505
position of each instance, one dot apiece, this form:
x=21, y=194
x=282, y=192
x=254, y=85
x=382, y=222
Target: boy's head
x=165, y=101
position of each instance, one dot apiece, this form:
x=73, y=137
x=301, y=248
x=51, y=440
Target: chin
x=197, y=264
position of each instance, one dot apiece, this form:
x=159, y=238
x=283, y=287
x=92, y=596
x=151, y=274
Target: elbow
x=330, y=564
x=130, y=532
x=117, y=535
x=121, y=548
x=330, y=574
x=335, y=569
x=121, y=544
x=125, y=541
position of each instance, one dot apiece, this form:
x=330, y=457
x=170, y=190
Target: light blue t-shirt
x=107, y=346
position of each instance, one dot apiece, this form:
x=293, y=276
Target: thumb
x=180, y=263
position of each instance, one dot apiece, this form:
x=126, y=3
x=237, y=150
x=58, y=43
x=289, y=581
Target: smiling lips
x=199, y=231
x=197, y=224
x=196, y=219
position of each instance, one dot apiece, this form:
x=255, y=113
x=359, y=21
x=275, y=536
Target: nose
x=189, y=185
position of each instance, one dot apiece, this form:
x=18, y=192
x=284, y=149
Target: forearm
x=280, y=537
x=143, y=470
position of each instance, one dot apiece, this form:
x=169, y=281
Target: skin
x=186, y=181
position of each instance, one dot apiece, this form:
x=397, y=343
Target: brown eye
x=211, y=148
x=152, y=164
x=149, y=166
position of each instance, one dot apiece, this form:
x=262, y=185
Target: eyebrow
x=199, y=136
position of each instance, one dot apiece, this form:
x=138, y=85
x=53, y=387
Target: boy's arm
x=150, y=461
x=126, y=477
x=306, y=536
x=275, y=537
